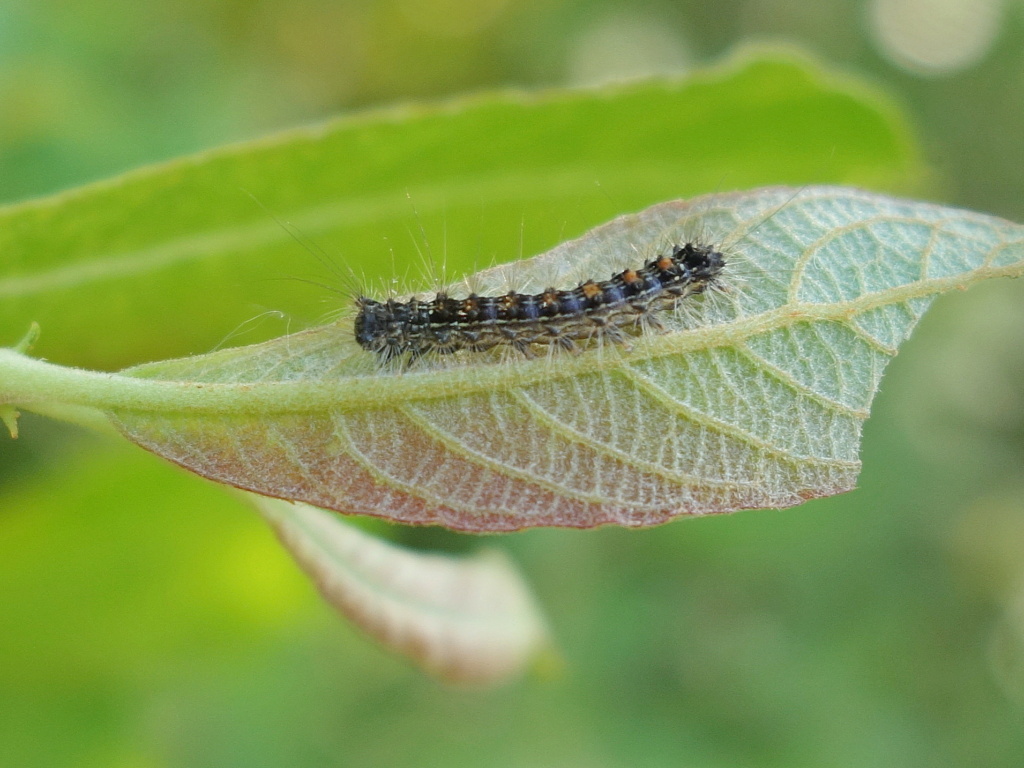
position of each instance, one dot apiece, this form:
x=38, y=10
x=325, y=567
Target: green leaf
x=170, y=260
x=753, y=397
x=468, y=619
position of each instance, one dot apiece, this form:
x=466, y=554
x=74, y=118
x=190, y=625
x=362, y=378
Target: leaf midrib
x=26, y=381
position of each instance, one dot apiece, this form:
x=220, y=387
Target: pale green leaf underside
x=755, y=397
x=464, y=619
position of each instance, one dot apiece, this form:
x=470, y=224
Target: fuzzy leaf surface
x=754, y=397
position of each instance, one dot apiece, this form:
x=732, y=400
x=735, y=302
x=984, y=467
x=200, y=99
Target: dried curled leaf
x=468, y=619
x=752, y=398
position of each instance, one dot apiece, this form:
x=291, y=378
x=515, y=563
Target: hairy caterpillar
x=610, y=309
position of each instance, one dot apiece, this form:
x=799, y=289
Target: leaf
x=171, y=259
x=754, y=398
x=469, y=619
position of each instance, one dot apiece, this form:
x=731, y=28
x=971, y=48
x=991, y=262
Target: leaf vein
x=786, y=378
x=664, y=398
x=451, y=442
x=683, y=479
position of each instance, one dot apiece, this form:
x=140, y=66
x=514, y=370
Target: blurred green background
x=148, y=619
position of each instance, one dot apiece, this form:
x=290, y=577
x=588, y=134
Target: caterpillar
x=612, y=309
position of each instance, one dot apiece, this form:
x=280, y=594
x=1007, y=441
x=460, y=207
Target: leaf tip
x=9, y=416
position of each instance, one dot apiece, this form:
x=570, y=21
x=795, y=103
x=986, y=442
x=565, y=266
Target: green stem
x=24, y=380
